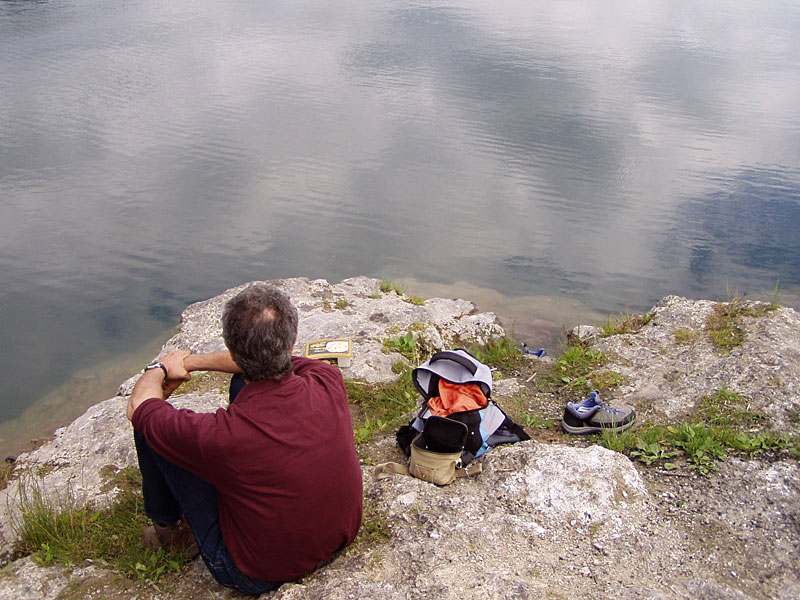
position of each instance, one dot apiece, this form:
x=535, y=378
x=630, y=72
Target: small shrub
x=341, y=304
x=406, y=345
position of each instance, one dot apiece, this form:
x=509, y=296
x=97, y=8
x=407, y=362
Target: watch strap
x=156, y=364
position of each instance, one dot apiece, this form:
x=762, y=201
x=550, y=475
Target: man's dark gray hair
x=259, y=326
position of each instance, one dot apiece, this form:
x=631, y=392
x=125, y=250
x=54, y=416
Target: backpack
x=440, y=447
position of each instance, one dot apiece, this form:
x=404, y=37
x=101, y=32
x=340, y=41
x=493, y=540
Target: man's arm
x=179, y=363
x=157, y=384
x=213, y=361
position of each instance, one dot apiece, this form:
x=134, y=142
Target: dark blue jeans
x=170, y=491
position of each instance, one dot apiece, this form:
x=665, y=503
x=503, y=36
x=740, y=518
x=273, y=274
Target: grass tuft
x=61, y=530
x=625, y=324
x=382, y=406
x=387, y=286
x=700, y=445
x=723, y=327
x=727, y=408
x=574, y=369
x=501, y=353
x=685, y=337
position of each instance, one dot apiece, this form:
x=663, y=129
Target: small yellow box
x=337, y=351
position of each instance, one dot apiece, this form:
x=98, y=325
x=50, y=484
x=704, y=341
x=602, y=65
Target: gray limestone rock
x=670, y=364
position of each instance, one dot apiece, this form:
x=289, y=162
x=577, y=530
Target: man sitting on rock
x=269, y=488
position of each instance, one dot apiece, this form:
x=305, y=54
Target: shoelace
x=609, y=409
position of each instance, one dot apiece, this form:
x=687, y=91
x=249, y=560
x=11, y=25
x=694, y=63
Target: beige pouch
x=440, y=468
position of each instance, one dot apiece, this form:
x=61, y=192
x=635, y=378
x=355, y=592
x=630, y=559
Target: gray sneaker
x=592, y=415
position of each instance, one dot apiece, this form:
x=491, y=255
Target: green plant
x=387, y=286
x=341, y=304
x=519, y=411
x=775, y=303
x=498, y=352
x=405, y=345
x=155, y=564
x=727, y=408
x=603, y=380
x=415, y=300
x=535, y=421
x=618, y=441
x=625, y=324
x=381, y=406
x=723, y=327
x=364, y=433
x=573, y=369
x=651, y=452
x=701, y=446
x=61, y=530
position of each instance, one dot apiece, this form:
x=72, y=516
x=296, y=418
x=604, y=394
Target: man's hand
x=170, y=385
x=152, y=384
x=176, y=369
x=179, y=364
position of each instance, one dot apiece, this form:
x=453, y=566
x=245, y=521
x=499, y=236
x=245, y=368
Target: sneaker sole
x=594, y=428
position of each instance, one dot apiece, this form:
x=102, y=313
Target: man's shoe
x=177, y=537
x=592, y=415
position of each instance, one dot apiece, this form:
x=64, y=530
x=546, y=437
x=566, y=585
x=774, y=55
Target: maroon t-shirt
x=283, y=462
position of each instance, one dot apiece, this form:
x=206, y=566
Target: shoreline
x=538, y=320
x=541, y=321
x=68, y=401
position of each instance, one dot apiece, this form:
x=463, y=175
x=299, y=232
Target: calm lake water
x=559, y=160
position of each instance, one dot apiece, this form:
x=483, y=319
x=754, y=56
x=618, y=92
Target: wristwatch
x=157, y=365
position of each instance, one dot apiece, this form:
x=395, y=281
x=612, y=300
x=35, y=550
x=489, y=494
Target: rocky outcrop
x=541, y=520
x=671, y=363
x=82, y=455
